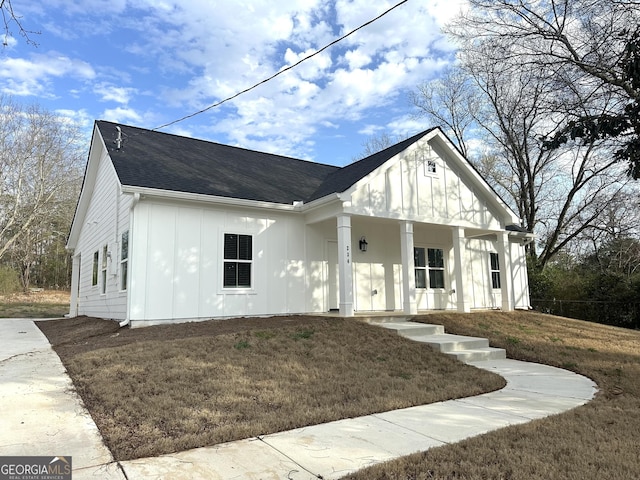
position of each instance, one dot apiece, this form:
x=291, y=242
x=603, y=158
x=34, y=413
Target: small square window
x=430, y=167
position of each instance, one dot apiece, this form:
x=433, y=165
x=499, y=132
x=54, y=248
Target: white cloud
x=122, y=115
x=8, y=42
x=357, y=59
x=80, y=117
x=444, y=10
x=111, y=93
x=169, y=58
x=31, y=76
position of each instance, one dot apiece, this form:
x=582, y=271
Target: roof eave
x=209, y=199
x=88, y=181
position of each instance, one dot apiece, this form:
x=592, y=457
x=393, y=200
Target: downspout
x=134, y=202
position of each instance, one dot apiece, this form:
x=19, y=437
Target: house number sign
x=348, y=254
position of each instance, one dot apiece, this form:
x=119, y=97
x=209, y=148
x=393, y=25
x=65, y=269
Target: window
x=103, y=271
x=94, y=276
x=429, y=264
x=238, y=256
x=495, y=270
x=430, y=167
x=124, y=260
x=436, y=267
x=420, y=263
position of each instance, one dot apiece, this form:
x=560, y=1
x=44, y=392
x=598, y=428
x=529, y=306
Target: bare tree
x=9, y=16
x=596, y=42
x=451, y=102
x=40, y=174
x=559, y=194
x=377, y=143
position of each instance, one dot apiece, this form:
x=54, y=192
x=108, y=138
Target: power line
x=317, y=52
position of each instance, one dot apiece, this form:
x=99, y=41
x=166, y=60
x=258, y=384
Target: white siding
x=377, y=272
x=520, y=277
x=106, y=218
x=405, y=189
x=482, y=293
x=178, y=263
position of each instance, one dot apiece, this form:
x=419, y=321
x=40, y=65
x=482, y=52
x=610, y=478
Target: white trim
x=251, y=263
x=222, y=290
x=345, y=266
x=409, y=300
x=210, y=199
x=427, y=268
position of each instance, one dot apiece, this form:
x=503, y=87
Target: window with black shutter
x=238, y=259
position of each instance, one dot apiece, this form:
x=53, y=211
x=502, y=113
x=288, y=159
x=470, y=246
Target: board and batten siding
x=407, y=190
x=177, y=251
x=106, y=218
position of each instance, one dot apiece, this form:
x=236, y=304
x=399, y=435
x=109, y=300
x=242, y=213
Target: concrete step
x=381, y=318
x=479, y=354
x=412, y=329
x=450, y=343
x=465, y=349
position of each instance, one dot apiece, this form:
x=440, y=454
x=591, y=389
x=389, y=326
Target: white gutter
x=211, y=199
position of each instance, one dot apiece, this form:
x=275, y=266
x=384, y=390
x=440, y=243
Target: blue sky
x=149, y=62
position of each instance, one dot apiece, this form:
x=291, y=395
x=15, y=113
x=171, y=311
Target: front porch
x=389, y=266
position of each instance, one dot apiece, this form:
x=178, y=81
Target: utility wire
x=317, y=52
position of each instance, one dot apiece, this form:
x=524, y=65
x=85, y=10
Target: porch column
x=409, y=304
x=460, y=269
x=345, y=270
x=506, y=275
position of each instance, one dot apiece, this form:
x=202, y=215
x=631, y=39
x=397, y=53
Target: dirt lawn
x=163, y=389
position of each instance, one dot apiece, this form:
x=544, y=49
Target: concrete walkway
x=43, y=416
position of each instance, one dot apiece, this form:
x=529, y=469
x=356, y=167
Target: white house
x=169, y=228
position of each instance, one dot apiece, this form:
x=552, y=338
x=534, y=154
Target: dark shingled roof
x=340, y=180
x=170, y=162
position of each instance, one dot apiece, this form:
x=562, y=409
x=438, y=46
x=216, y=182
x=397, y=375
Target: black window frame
x=103, y=270
x=96, y=269
x=237, y=271
x=428, y=263
x=435, y=264
x=494, y=268
x=420, y=266
x=124, y=260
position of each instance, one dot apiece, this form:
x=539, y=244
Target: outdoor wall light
x=363, y=244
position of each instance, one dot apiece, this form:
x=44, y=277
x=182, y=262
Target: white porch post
x=460, y=269
x=506, y=274
x=345, y=270
x=409, y=304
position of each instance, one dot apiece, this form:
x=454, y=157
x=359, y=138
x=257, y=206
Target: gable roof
x=340, y=180
x=164, y=161
x=170, y=162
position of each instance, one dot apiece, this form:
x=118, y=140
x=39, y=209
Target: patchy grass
x=37, y=304
x=598, y=440
x=164, y=389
